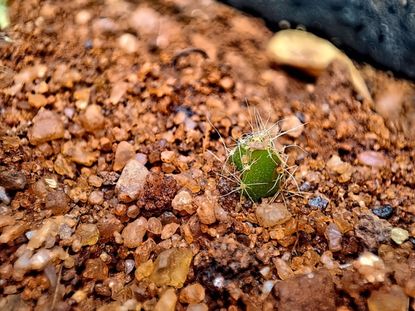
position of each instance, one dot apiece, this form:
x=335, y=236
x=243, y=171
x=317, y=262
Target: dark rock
x=12, y=180
x=318, y=202
x=384, y=211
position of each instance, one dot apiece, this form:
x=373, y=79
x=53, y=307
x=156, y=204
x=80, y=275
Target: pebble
x=117, y=92
x=129, y=266
x=372, y=230
x=372, y=158
x=283, y=269
x=388, y=299
x=95, y=269
x=3, y=196
x=371, y=267
x=6, y=220
x=133, y=211
x=88, y=234
x=96, y=197
x=144, y=270
x=292, y=126
x=171, y=267
x=312, y=291
x=193, y=293
x=197, y=307
x=79, y=153
x=206, y=209
x=334, y=237
x=63, y=167
x=131, y=181
x=169, y=230
x=399, y=235
x=183, y=203
x=125, y=152
x=47, y=126
x=95, y=181
x=128, y=43
x=318, y=202
x=154, y=225
x=57, y=202
x=167, y=301
x=384, y=212
x=93, y=119
x=83, y=17
x=12, y=180
x=37, y=100
x=272, y=214
x=134, y=232
x=145, y=20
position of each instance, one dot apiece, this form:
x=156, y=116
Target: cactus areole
x=260, y=167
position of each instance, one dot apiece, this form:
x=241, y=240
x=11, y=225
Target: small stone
x=4, y=196
x=197, y=307
x=388, y=299
x=168, y=156
x=13, y=180
x=283, y=269
x=83, y=17
x=12, y=232
x=145, y=20
x=271, y=214
x=313, y=291
x=206, y=209
x=64, y=167
x=372, y=230
x=384, y=212
x=169, y=230
x=95, y=181
x=292, y=126
x=88, y=234
x=57, y=202
x=172, y=267
x=131, y=181
x=37, y=100
x=144, y=270
x=107, y=227
x=133, y=211
x=129, y=266
x=47, y=126
x=336, y=165
x=167, y=301
x=182, y=203
x=410, y=288
x=371, y=267
x=155, y=226
x=93, y=119
x=117, y=92
x=134, y=232
x=318, y=202
x=334, y=237
x=372, y=158
x=6, y=220
x=125, y=152
x=79, y=153
x=399, y=235
x=194, y=293
x=128, y=43
x=96, y=197
x=95, y=269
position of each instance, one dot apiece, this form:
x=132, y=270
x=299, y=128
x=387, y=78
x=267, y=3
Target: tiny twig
x=187, y=52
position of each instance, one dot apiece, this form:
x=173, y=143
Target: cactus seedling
x=260, y=165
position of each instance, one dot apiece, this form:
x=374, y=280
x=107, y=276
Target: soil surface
x=116, y=119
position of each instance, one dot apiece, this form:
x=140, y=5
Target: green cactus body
x=260, y=170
